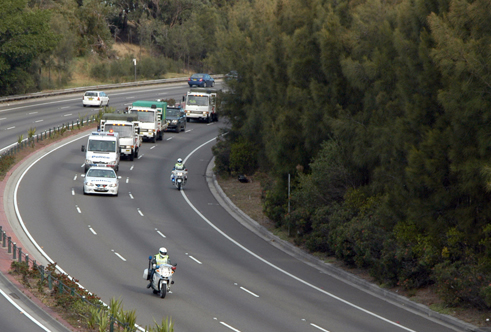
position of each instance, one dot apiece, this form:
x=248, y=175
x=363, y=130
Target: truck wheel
x=131, y=156
x=154, y=138
x=208, y=119
x=136, y=152
x=187, y=120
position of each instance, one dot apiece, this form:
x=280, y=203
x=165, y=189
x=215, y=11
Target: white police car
x=101, y=180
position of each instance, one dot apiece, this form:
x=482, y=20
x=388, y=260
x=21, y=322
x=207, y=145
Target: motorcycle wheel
x=155, y=291
x=179, y=186
x=163, y=290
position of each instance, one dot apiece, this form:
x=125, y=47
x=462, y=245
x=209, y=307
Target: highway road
x=227, y=278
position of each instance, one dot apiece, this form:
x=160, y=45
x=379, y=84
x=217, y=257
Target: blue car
x=201, y=80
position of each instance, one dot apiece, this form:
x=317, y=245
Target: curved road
x=227, y=277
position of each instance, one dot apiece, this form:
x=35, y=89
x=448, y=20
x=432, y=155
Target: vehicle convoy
x=102, y=150
x=162, y=277
x=128, y=128
x=201, y=104
x=101, y=180
x=151, y=115
x=176, y=118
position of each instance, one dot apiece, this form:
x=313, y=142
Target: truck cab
x=102, y=150
x=128, y=128
x=151, y=115
x=201, y=104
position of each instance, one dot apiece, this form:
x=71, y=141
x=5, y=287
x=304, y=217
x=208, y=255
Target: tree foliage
x=380, y=112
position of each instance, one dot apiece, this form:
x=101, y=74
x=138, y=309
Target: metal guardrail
x=97, y=87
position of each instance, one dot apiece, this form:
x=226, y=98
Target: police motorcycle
x=179, y=178
x=162, y=277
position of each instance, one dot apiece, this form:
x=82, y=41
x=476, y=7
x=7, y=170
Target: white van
x=102, y=150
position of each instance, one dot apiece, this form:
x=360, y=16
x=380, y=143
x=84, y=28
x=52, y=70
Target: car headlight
x=89, y=184
x=113, y=185
x=88, y=161
x=174, y=121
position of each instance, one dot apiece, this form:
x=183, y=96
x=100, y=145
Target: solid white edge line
x=120, y=256
x=161, y=234
x=23, y=312
x=276, y=267
x=21, y=221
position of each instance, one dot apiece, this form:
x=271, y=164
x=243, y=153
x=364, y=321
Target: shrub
x=243, y=157
x=464, y=282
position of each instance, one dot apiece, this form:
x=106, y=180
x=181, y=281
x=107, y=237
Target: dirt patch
x=247, y=196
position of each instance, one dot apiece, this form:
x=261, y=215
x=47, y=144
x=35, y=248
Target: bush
x=464, y=282
x=221, y=151
x=243, y=157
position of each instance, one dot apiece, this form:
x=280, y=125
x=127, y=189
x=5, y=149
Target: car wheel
x=178, y=128
x=204, y=85
x=84, y=105
x=213, y=83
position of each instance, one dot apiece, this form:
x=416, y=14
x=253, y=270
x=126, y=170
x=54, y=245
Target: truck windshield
x=197, y=100
x=146, y=117
x=122, y=130
x=101, y=145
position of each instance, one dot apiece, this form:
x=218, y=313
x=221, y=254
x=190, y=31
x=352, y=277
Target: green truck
x=151, y=115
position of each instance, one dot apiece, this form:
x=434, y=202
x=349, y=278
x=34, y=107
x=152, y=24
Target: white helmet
x=162, y=252
x=179, y=160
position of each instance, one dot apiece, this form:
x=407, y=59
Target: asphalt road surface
x=227, y=278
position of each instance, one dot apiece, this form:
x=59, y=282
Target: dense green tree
x=24, y=34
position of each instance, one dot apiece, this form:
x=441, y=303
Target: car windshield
x=101, y=145
x=101, y=173
x=124, y=131
x=173, y=113
x=145, y=116
x=91, y=93
x=197, y=100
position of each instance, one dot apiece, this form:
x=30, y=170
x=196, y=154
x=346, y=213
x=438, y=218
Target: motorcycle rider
x=160, y=258
x=178, y=166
